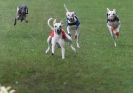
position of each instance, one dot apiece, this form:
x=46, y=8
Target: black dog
x=21, y=14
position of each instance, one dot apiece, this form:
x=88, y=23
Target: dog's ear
x=54, y=21
x=108, y=10
x=74, y=13
x=114, y=10
x=61, y=23
x=67, y=13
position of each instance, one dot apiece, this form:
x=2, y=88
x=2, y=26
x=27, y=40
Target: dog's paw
x=46, y=51
x=74, y=50
x=63, y=57
x=14, y=24
x=78, y=46
x=115, y=45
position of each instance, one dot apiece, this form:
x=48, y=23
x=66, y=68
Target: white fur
x=4, y=89
x=70, y=29
x=111, y=24
x=52, y=41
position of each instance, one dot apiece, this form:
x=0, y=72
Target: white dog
x=113, y=24
x=72, y=25
x=58, y=37
x=4, y=89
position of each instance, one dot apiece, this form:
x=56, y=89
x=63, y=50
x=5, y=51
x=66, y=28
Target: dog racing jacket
x=62, y=33
x=76, y=22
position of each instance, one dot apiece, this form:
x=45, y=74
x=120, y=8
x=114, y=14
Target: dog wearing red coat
x=58, y=37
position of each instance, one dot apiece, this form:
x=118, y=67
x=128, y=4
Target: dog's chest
x=114, y=24
x=73, y=27
x=57, y=38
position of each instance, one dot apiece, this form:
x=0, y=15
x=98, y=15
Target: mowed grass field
x=97, y=67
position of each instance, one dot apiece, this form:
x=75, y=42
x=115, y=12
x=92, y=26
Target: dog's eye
x=55, y=26
x=113, y=14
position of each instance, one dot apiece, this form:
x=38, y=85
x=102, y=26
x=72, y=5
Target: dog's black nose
x=59, y=31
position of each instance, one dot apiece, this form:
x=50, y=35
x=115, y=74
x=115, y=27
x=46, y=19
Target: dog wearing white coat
x=73, y=24
x=113, y=24
x=58, y=37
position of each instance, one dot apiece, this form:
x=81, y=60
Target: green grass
x=98, y=67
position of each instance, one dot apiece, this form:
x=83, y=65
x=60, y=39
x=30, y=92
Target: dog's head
x=111, y=14
x=70, y=16
x=57, y=27
x=22, y=13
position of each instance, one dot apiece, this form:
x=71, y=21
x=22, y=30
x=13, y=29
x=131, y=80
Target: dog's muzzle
x=58, y=31
x=71, y=19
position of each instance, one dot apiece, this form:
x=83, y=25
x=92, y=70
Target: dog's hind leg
x=68, y=30
x=116, y=34
x=48, y=41
x=69, y=39
x=25, y=18
x=117, y=31
x=73, y=48
x=113, y=37
x=53, y=46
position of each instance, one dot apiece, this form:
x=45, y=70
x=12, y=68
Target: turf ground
x=98, y=67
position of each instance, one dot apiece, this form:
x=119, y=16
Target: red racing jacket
x=62, y=33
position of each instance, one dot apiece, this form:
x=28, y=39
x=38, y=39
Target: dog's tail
x=66, y=8
x=49, y=20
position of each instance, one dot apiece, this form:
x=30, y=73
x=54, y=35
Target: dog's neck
x=57, y=35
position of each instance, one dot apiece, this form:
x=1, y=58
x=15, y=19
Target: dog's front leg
x=53, y=45
x=62, y=42
x=112, y=34
x=25, y=18
x=63, y=52
x=77, y=37
x=17, y=16
x=68, y=30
